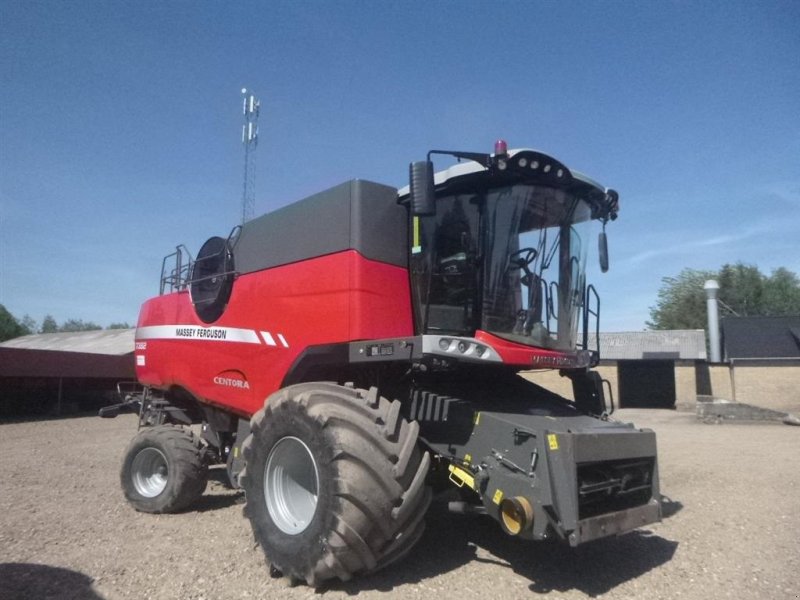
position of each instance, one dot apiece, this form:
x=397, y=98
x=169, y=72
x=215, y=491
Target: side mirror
x=423, y=198
x=603, y=248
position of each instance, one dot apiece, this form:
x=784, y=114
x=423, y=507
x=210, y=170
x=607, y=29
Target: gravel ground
x=730, y=529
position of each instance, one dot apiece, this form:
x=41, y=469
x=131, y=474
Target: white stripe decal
x=211, y=334
x=283, y=340
x=268, y=338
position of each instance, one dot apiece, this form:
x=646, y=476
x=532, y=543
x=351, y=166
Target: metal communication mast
x=250, y=109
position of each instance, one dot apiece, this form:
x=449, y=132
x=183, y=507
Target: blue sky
x=120, y=126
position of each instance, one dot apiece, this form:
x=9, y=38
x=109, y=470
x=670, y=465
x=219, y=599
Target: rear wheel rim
x=150, y=472
x=291, y=485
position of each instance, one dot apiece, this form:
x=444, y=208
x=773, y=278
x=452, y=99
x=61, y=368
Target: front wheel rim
x=150, y=472
x=291, y=485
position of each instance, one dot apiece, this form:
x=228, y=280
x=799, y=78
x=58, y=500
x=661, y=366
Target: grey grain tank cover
x=356, y=215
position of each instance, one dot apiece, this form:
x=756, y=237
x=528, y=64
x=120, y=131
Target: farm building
x=762, y=356
x=56, y=373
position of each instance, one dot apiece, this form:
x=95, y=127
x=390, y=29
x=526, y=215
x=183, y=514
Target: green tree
x=741, y=288
x=681, y=301
x=744, y=291
x=119, y=326
x=9, y=326
x=29, y=325
x=781, y=295
x=49, y=325
x=71, y=325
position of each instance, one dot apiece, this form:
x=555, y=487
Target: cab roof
x=470, y=166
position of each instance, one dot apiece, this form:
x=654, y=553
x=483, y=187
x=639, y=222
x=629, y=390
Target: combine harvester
x=354, y=352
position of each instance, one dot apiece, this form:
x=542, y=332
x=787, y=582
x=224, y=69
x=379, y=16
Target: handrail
x=592, y=298
x=178, y=278
x=607, y=383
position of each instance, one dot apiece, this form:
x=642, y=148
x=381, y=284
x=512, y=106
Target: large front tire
x=164, y=469
x=335, y=482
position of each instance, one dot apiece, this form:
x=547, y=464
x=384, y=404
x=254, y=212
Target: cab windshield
x=509, y=261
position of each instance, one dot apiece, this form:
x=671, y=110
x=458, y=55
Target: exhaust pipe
x=712, y=292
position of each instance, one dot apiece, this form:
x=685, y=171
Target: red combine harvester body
x=244, y=365
x=353, y=353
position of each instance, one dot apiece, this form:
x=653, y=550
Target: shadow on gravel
x=23, y=581
x=452, y=541
x=670, y=507
x=208, y=502
x=225, y=495
x=596, y=568
x=219, y=474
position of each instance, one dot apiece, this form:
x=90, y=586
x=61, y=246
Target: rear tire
x=164, y=469
x=335, y=482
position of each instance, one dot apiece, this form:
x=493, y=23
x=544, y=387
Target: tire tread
x=188, y=470
x=380, y=493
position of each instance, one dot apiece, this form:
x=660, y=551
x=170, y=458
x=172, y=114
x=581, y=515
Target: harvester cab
x=499, y=254
x=350, y=354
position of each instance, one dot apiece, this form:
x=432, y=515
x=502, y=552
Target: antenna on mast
x=250, y=110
